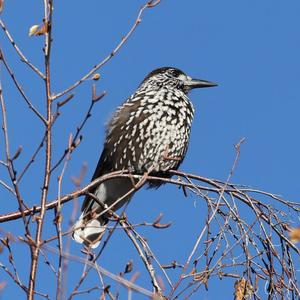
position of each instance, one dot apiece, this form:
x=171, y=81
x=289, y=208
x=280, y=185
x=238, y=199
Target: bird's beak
x=199, y=83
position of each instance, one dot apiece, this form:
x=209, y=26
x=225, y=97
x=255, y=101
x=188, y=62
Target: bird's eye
x=174, y=72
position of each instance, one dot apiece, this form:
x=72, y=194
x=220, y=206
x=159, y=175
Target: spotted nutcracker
x=148, y=133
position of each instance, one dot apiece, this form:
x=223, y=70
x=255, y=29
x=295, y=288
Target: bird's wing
x=98, y=172
x=109, y=156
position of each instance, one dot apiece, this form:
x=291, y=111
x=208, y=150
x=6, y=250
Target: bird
x=149, y=133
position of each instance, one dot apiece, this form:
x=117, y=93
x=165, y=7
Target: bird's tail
x=91, y=225
x=89, y=232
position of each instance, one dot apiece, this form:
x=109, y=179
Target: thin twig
x=57, y=222
x=9, y=163
x=149, y=4
x=103, y=271
x=20, y=89
x=143, y=256
x=32, y=159
x=8, y=187
x=22, y=56
x=77, y=138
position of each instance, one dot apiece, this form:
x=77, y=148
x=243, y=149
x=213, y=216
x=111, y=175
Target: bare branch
x=48, y=10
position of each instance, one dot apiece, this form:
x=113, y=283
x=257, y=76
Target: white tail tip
x=89, y=233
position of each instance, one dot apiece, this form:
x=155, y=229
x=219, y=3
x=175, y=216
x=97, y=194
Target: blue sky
x=250, y=48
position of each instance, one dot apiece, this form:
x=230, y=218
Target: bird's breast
x=154, y=134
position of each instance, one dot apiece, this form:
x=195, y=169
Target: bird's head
x=169, y=77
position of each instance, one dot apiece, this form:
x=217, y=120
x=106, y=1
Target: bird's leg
x=137, y=184
x=167, y=157
x=133, y=181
